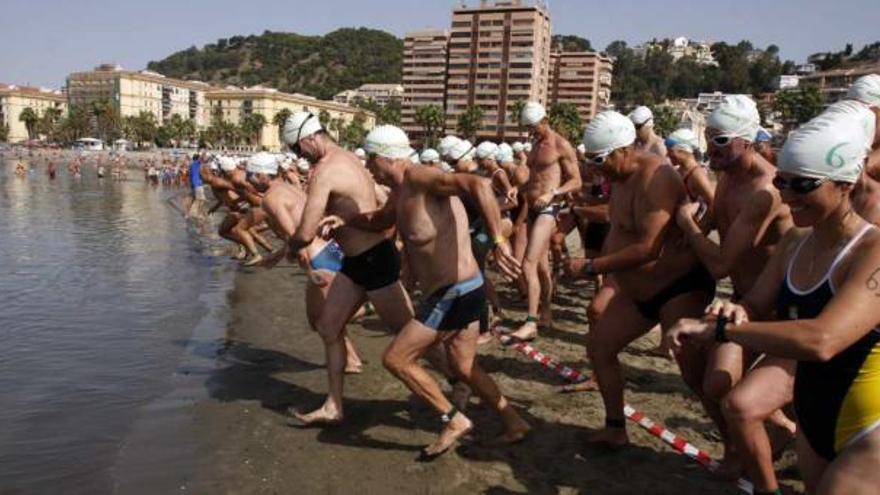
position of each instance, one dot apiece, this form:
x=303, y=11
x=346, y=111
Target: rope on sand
x=657, y=430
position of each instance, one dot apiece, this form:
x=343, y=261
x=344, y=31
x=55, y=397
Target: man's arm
x=662, y=193
x=593, y=213
x=316, y=204
x=378, y=220
x=248, y=190
x=570, y=172
x=746, y=232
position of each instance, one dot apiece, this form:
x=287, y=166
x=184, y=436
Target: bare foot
x=239, y=253
x=528, y=331
x=461, y=393
x=325, y=415
x=515, y=429
x=485, y=338
x=353, y=368
x=457, y=427
x=254, y=261
x=588, y=385
x=610, y=438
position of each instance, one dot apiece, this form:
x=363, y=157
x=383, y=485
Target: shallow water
x=102, y=287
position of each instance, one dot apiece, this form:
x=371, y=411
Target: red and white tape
x=656, y=429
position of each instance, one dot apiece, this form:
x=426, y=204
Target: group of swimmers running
x=796, y=235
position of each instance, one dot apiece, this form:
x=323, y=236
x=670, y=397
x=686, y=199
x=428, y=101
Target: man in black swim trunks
x=656, y=279
x=553, y=174
x=434, y=227
x=340, y=185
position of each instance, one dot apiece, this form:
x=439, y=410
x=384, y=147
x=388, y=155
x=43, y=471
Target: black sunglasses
x=799, y=185
x=721, y=141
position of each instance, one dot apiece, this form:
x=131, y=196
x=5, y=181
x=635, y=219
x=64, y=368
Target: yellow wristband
x=500, y=240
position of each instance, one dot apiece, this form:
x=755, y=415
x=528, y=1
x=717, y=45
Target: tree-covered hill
x=320, y=66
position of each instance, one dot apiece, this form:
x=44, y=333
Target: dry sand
x=272, y=361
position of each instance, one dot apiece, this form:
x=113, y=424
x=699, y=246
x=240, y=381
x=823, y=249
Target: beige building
x=382, y=94
x=499, y=53
x=835, y=83
x=424, y=76
x=583, y=79
x=14, y=99
x=236, y=103
x=134, y=91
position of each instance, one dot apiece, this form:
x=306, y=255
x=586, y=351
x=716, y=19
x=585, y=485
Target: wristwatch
x=720, y=330
x=590, y=268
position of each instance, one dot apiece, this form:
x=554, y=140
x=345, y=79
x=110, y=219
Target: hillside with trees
x=320, y=66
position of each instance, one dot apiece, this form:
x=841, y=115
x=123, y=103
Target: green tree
x=108, y=123
x=665, y=119
x=146, y=128
x=4, y=133
x=796, y=106
x=279, y=119
x=76, y=124
x=515, y=111
x=30, y=119
x=48, y=124
x=566, y=120
x=470, y=122
x=354, y=133
x=324, y=117
x=432, y=120
x=252, y=128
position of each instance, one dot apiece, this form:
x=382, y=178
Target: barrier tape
x=657, y=430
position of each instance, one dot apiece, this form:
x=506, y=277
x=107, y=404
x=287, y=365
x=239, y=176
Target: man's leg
x=461, y=347
x=519, y=245
x=539, y=244
x=344, y=297
x=316, y=298
x=401, y=359
x=244, y=237
x=227, y=231
x=764, y=390
x=855, y=470
x=621, y=324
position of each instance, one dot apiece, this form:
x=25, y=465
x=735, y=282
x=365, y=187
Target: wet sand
x=272, y=361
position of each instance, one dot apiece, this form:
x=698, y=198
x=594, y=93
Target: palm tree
x=280, y=119
x=107, y=119
x=432, y=120
x=252, y=128
x=564, y=117
x=470, y=122
x=30, y=119
x=48, y=125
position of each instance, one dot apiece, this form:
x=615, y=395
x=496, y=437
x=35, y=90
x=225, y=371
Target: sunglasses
x=722, y=141
x=799, y=185
x=599, y=159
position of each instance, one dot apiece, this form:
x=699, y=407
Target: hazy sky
x=45, y=40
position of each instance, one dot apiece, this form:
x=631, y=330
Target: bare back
x=350, y=190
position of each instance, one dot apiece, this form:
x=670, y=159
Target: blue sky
x=44, y=41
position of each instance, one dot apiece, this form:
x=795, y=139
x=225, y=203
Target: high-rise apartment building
x=424, y=76
x=499, y=53
x=582, y=79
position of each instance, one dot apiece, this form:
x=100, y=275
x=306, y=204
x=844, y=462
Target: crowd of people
x=796, y=235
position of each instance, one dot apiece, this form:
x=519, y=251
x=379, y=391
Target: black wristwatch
x=720, y=327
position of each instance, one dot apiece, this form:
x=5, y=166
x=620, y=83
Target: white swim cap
x=518, y=147
x=527, y=147
x=446, y=168
x=683, y=139
x=858, y=112
x=462, y=151
x=831, y=145
x=360, y=153
x=263, y=163
x=581, y=148
x=446, y=144
x=388, y=141
x=486, y=149
x=430, y=155
x=303, y=165
x=736, y=116
x=532, y=114
x=607, y=132
x=214, y=164
x=866, y=89
x=227, y=163
x=641, y=115
x=504, y=153
x=300, y=125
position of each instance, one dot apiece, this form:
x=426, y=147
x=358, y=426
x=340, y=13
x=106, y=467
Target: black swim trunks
x=553, y=209
x=375, y=268
x=595, y=234
x=454, y=307
x=697, y=280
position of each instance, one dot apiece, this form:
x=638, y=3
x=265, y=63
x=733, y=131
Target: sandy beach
x=272, y=361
